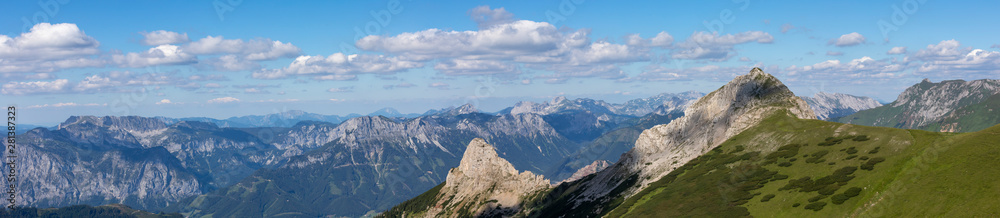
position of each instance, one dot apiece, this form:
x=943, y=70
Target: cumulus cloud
x=36, y=87
x=439, y=85
x=159, y=55
x=224, y=100
x=850, y=39
x=949, y=57
x=400, y=85
x=944, y=50
x=486, y=17
x=456, y=67
x=164, y=101
x=338, y=67
x=254, y=49
x=661, y=40
x=341, y=89
x=229, y=63
x=897, y=50
x=66, y=104
x=163, y=37
x=835, y=70
x=712, y=46
x=502, y=41
x=47, y=48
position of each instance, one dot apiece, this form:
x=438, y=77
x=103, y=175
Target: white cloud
x=255, y=91
x=704, y=45
x=224, y=100
x=338, y=67
x=253, y=50
x=164, y=101
x=36, y=87
x=944, y=50
x=835, y=70
x=850, y=39
x=976, y=61
x=230, y=63
x=501, y=41
x=439, y=85
x=341, y=89
x=400, y=85
x=897, y=50
x=66, y=104
x=661, y=40
x=786, y=27
x=47, y=48
x=486, y=17
x=163, y=37
x=834, y=53
x=159, y=55
x=456, y=67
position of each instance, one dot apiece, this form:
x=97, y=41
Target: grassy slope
x=924, y=173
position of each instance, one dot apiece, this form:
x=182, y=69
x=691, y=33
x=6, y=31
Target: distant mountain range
x=835, y=105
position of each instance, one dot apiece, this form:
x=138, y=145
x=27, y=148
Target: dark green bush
x=766, y=198
x=796, y=205
x=817, y=198
x=851, y=157
x=874, y=151
x=815, y=206
x=851, y=150
x=784, y=164
x=860, y=138
x=871, y=163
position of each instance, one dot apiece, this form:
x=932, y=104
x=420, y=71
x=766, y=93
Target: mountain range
x=361, y=165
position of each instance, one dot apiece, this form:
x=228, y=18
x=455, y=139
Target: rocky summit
x=483, y=183
x=712, y=119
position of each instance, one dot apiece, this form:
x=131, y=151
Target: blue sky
x=230, y=58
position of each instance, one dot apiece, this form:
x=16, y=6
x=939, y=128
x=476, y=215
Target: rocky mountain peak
x=742, y=103
x=484, y=182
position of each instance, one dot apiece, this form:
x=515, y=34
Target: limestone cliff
x=484, y=184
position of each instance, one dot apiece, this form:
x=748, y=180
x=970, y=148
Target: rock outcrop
x=483, y=183
x=594, y=167
x=833, y=105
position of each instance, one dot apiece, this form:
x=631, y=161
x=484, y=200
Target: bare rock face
x=594, y=167
x=483, y=182
x=742, y=103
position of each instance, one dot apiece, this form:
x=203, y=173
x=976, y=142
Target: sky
x=226, y=58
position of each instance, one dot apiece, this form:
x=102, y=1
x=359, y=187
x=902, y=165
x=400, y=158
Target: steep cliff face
x=484, y=184
x=737, y=106
x=833, y=105
x=926, y=103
